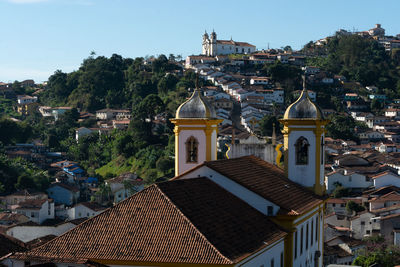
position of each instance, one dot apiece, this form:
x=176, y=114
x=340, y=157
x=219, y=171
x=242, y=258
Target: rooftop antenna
x=268, y=45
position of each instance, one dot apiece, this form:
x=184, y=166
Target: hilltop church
x=213, y=47
x=231, y=212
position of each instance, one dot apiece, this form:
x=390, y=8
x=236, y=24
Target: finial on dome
x=304, y=82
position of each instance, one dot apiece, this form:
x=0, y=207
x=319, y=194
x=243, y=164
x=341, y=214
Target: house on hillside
x=37, y=210
x=125, y=185
x=63, y=193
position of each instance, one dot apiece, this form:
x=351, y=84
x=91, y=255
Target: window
x=307, y=236
x=333, y=205
x=281, y=259
x=312, y=232
x=242, y=50
x=301, y=241
x=237, y=50
x=32, y=214
x=349, y=178
x=316, y=229
x=191, y=150
x=88, y=214
x=362, y=223
x=272, y=262
x=248, y=50
x=368, y=232
x=270, y=211
x=295, y=245
x=302, y=151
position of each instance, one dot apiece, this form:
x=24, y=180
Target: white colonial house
x=365, y=224
x=37, y=210
x=353, y=180
x=386, y=178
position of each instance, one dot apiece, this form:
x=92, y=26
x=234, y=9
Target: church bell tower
x=304, y=135
x=195, y=130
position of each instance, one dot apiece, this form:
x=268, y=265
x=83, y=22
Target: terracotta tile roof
x=92, y=205
x=131, y=177
x=66, y=186
x=230, y=42
x=383, y=174
x=390, y=216
x=351, y=242
x=9, y=244
x=185, y=221
x=335, y=250
x=39, y=241
x=32, y=204
x=392, y=196
x=266, y=180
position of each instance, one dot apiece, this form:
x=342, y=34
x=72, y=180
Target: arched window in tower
x=192, y=150
x=302, y=151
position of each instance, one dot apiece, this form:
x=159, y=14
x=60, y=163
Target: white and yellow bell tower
x=304, y=135
x=196, y=129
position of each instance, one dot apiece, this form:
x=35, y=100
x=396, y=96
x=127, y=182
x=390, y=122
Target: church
x=230, y=212
x=213, y=47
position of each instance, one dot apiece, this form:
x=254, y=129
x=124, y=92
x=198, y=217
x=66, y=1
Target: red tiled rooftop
x=266, y=180
x=184, y=221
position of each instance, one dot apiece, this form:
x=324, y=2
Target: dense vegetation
x=115, y=82
x=378, y=253
x=150, y=87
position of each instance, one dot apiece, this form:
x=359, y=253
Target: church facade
x=230, y=212
x=213, y=47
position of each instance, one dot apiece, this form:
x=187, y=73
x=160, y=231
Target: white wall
x=81, y=211
x=308, y=254
x=28, y=233
x=251, y=198
x=201, y=138
x=365, y=222
x=264, y=257
x=354, y=180
x=302, y=174
x=388, y=179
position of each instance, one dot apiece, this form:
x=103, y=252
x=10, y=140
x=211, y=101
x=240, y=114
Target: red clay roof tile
x=183, y=221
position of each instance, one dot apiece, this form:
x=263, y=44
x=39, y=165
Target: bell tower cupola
x=196, y=128
x=304, y=134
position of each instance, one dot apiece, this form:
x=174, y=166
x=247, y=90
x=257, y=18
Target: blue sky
x=41, y=36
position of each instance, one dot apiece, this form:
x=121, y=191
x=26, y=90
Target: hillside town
x=349, y=181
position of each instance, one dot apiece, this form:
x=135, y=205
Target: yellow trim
x=288, y=223
x=161, y=264
x=195, y=121
x=203, y=124
x=318, y=131
x=208, y=132
x=278, y=155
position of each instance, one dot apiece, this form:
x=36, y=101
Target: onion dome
x=196, y=107
x=303, y=108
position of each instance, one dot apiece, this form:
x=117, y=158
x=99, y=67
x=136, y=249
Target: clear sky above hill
x=41, y=36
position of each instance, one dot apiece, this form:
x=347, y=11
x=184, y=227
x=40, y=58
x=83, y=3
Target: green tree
x=353, y=206
x=266, y=125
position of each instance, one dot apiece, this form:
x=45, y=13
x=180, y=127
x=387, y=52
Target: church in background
x=213, y=47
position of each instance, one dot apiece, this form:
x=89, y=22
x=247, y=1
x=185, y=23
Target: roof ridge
x=192, y=225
